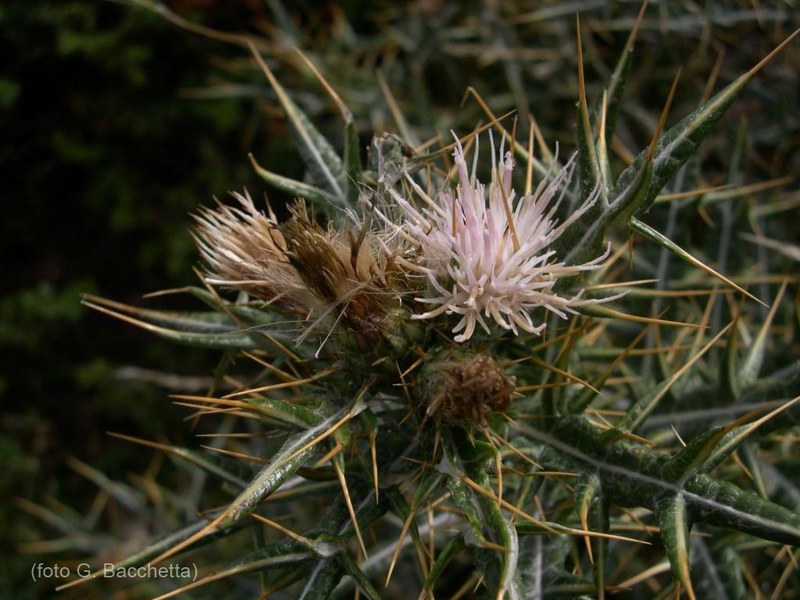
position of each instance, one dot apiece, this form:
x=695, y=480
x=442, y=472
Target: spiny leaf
x=652, y=234
x=358, y=576
x=320, y=158
x=288, y=412
x=466, y=501
x=263, y=314
x=587, y=491
x=291, y=186
x=429, y=484
x=599, y=522
x=638, y=185
x=726, y=505
x=673, y=521
x=352, y=161
x=632, y=475
x=616, y=86
x=339, y=468
x=620, y=206
x=186, y=321
x=588, y=164
x=681, y=141
x=293, y=453
x=147, y=554
x=754, y=357
x=323, y=578
x=352, y=150
x=688, y=460
x=451, y=549
x=718, y=569
x=592, y=510
x=486, y=513
x=199, y=459
x=295, y=450
x=233, y=339
x=637, y=414
x=579, y=401
x=733, y=439
x=130, y=497
x=280, y=555
x=728, y=386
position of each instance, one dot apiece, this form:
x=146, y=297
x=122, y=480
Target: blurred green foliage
x=102, y=160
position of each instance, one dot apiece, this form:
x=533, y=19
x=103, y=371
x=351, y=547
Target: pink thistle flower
x=493, y=260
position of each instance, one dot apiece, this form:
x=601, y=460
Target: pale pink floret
x=481, y=266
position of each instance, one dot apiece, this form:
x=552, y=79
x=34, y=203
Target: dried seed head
x=318, y=274
x=244, y=249
x=467, y=388
x=339, y=269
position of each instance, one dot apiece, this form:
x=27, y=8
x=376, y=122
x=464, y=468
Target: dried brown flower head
x=469, y=389
x=244, y=249
x=298, y=266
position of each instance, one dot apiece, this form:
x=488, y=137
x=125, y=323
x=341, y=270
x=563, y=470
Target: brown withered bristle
x=342, y=270
x=244, y=249
x=320, y=274
x=472, y=389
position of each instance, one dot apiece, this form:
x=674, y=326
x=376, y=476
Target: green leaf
x=583, y=241
x=287, y=412
x=155, y=549
x=674, y=523
x=790, y=413
x=358, y=576
x=352, y=159
x=451, y=549
x=464, y=498
x=270, y=558
x=184, y=321
x=590, y=172
x=689, y=460
x=292, y=187
x=638, y=185
x=586, y=492
x=723, y=569
x=258, y=329
x=322, y=580
x=681, y=141
x=726, y=505
x=323, y=163
x=747, y=373
x=728, y=385
x=592, y=510
x=665, y=242
x=615, y=90
x=295, y=451
x=189, y=329
x=637, y=413
x=483, y=511
x=632, y=475
x=211, y=464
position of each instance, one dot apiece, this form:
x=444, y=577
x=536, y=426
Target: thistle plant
x=466, y=392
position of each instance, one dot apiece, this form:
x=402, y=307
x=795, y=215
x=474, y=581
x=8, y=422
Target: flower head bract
x=487, y=254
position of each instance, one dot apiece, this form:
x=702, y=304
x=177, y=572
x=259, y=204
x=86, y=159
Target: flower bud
x=459, y=386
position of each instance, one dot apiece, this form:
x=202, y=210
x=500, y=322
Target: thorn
x=651, y=150
x=396, y=554
x=349, y=503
